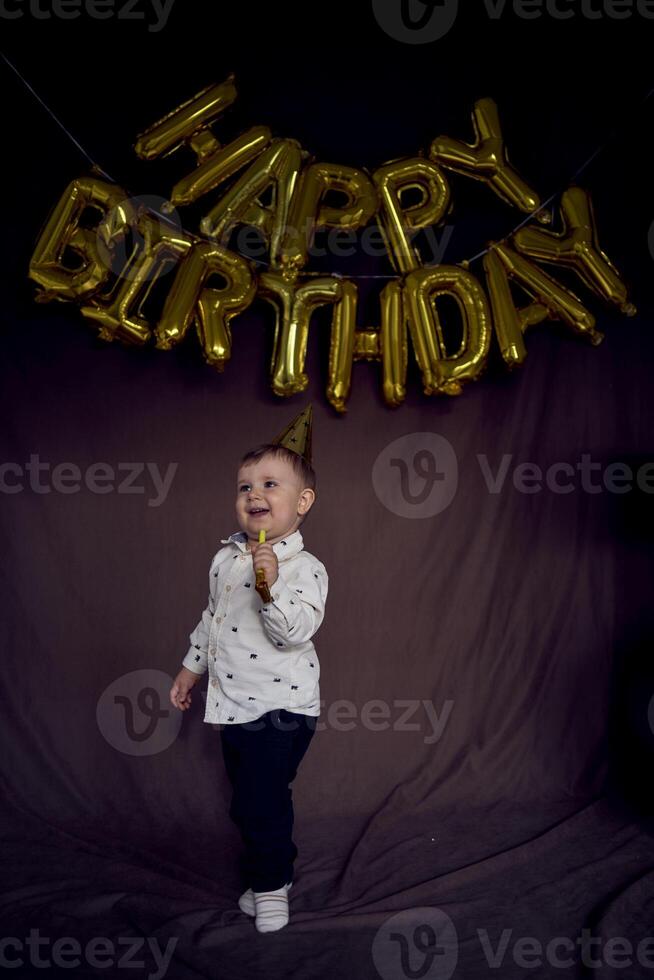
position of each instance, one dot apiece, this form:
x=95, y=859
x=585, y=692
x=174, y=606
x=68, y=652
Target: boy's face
x=270, y=485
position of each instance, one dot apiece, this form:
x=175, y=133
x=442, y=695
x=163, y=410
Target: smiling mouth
x=258, y=513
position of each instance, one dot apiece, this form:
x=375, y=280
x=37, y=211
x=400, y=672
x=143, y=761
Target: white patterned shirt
x=260, y=656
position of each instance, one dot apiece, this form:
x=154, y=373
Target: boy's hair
x=304, y=470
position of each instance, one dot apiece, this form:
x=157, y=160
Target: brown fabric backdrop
x=522, y=620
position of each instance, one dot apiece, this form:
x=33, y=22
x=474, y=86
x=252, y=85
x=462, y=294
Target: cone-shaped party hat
x=297, y=434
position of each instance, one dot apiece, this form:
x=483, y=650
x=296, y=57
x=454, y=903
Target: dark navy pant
x=262, y=758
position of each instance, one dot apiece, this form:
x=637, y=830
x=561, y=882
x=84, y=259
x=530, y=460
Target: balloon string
x=466, y=262
x=57, y=120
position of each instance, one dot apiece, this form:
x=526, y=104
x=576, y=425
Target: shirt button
x=276, y=595
x=227, y=588
x=242, y=557
x=214, y=683
x=219, y=619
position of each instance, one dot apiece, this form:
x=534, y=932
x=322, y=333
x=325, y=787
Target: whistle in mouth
x=261, y=585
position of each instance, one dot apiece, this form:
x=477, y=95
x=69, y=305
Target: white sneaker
x=246, y=901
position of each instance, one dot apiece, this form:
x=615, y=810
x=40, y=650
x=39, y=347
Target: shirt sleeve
x=197, y=657
x=298, y=604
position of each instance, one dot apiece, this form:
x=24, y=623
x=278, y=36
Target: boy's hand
x=263, y=556
x=180, y=692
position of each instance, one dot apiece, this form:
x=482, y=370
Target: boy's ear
x=307, y=497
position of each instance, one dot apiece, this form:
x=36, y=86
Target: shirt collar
x=290, y=545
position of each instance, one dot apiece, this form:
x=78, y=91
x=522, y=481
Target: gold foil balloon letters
x=107, y=252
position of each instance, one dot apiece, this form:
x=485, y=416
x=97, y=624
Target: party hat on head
x=297, y=434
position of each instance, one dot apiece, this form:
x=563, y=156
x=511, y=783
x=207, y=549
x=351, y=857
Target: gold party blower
x=261, y=585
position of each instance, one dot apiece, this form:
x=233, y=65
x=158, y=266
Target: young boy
x=263, y=668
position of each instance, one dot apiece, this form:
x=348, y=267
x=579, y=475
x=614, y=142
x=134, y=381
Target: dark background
x=532, y=614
